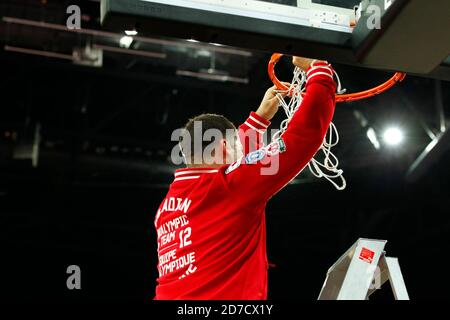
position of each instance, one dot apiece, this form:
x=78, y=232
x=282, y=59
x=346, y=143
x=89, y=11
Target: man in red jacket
x=211, y=225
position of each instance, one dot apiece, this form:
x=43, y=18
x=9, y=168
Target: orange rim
x=397, y=77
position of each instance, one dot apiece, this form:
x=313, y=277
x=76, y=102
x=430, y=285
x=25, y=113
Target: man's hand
x=269, y=105
x=302, y=63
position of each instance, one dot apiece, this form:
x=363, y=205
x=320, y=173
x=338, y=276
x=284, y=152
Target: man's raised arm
x=260, y=174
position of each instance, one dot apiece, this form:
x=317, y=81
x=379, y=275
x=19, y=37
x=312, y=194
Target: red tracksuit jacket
x=211, y=225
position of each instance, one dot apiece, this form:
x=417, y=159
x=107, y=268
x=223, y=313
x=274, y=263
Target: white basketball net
x=328, y=167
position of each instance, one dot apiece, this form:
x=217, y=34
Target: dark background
x=103, y=167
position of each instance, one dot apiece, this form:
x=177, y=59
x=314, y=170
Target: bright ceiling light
x=393, y=136
x=131, y=32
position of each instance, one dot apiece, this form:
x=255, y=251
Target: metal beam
x=429, y=156
x=439, y=105
x=437, y=146
x=163, y=80
x=99, y=33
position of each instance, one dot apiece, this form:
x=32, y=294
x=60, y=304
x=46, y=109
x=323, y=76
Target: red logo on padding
x=366, y=255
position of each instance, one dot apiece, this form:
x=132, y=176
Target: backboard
x=303, y=27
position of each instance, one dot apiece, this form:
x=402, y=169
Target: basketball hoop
x=324, y=164
x=397, y=77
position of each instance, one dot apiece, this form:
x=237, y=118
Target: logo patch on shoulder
x=276, y=147
x=255, y=156
x=233, y=166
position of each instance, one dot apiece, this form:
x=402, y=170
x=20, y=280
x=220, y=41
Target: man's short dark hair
x=208, y=121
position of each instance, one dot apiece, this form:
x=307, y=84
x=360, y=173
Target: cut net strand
x=328, y=167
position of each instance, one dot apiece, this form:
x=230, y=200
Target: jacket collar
x=193, y=173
